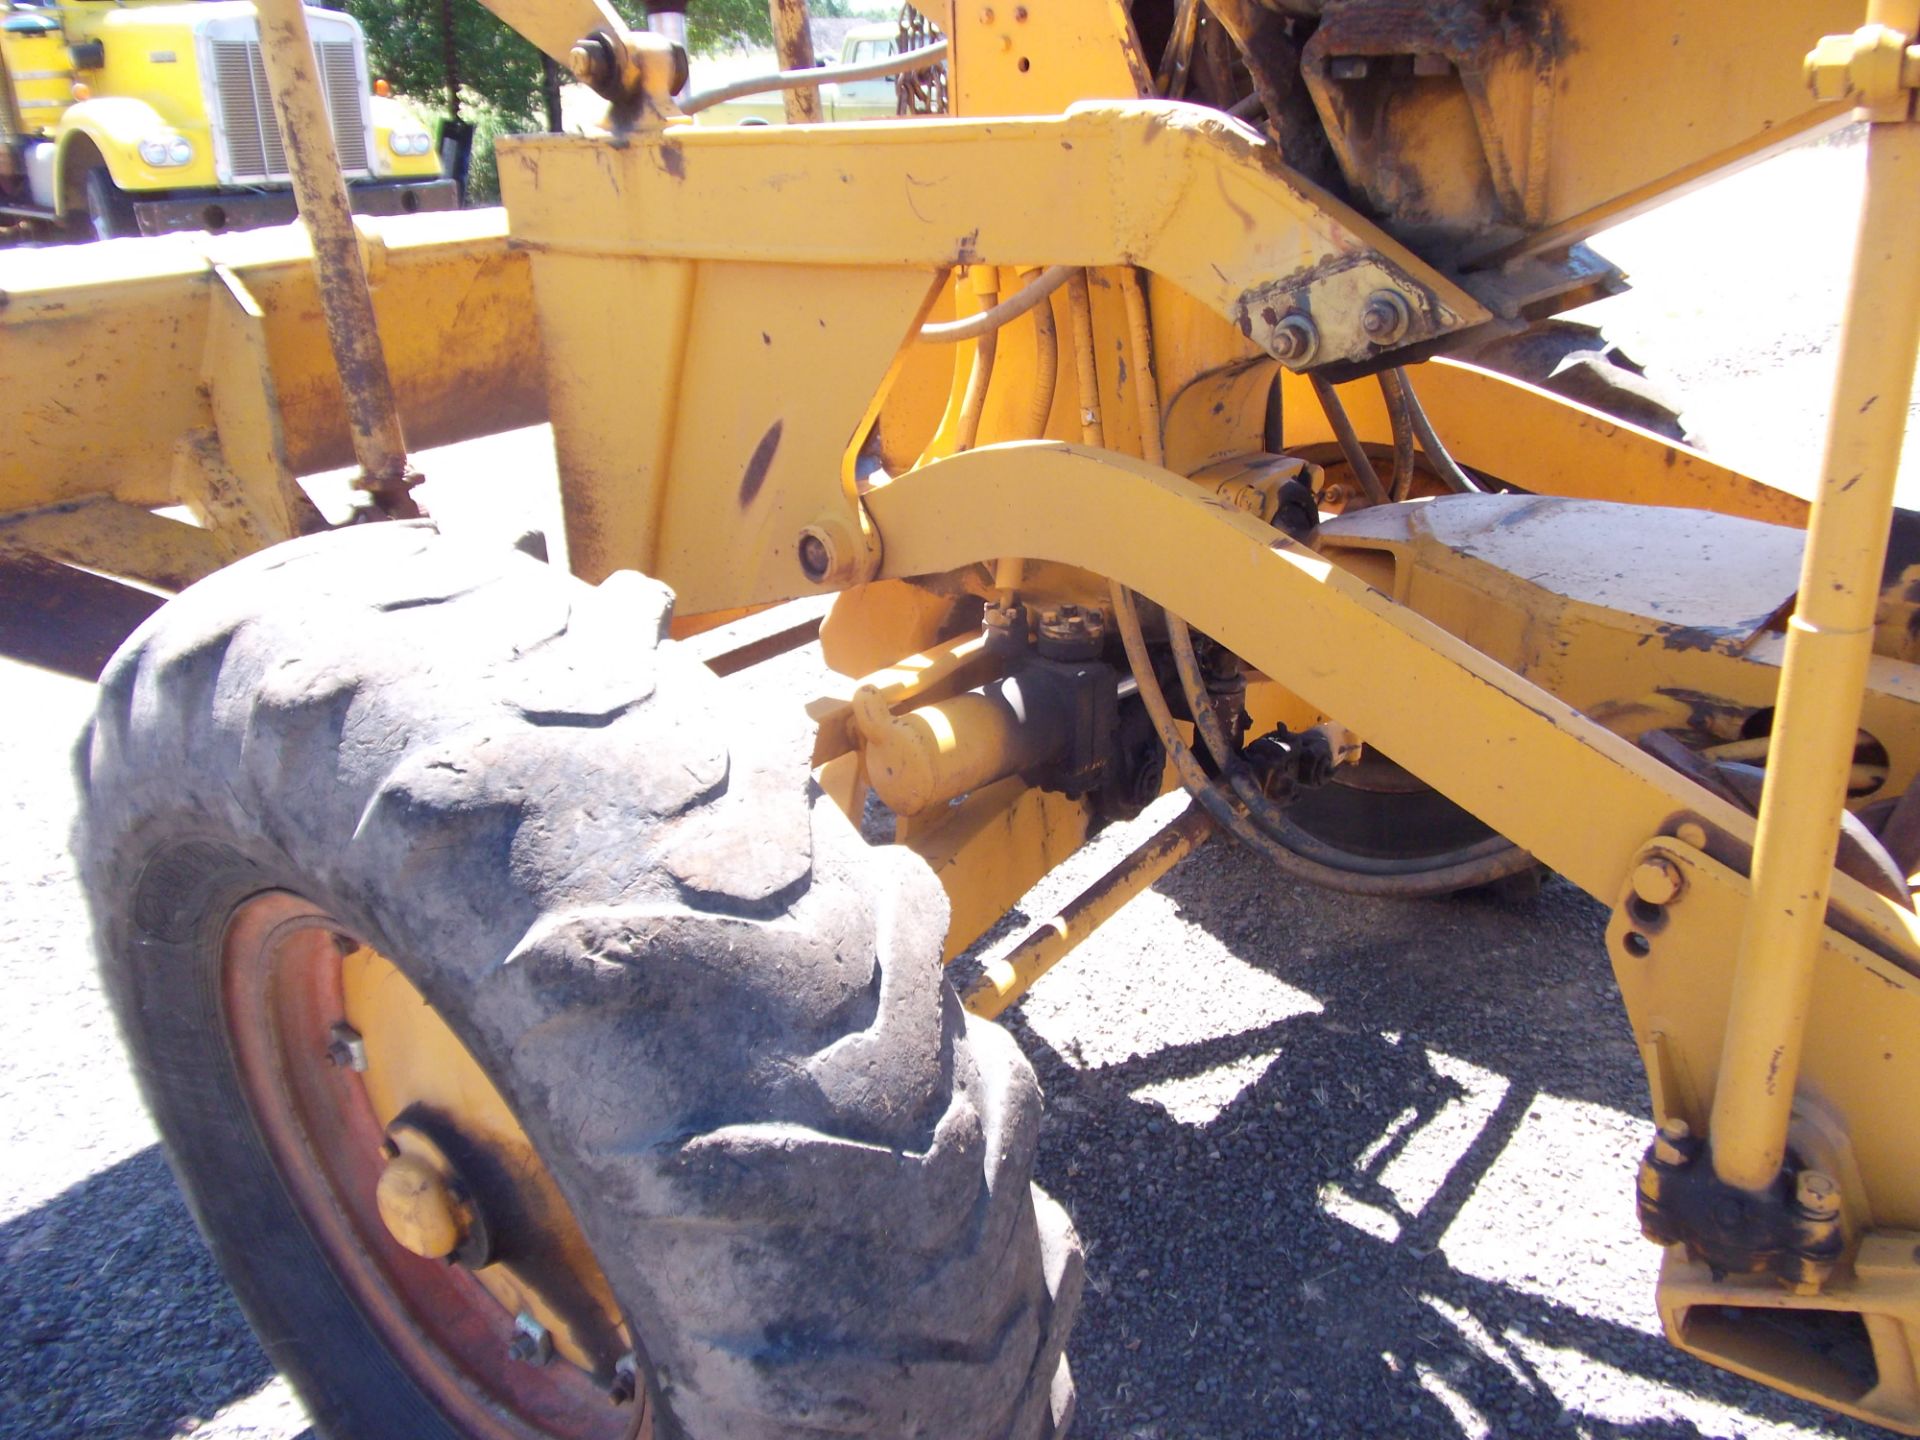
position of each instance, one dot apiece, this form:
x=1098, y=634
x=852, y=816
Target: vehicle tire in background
x=718, y=1015
x=109, y=208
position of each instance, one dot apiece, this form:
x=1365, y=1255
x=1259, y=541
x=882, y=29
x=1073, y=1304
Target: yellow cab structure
x=1113, y=408
x=140, y=118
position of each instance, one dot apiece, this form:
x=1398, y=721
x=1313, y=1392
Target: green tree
x=497, y=75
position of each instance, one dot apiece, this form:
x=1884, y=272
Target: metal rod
x=1829, y=643
x=924, y=58
x=345, y=300
x=793, y=43
x=1005, y=980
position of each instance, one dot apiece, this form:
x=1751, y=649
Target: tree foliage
x=499, y=74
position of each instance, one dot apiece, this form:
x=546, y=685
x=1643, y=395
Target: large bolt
x=418, y=1207
x=590, y=63
x=1671, y=1143
x=1657, y=880
x=1386, y=317
x=1294, y=342
x=816, y=555
x=1817, y=1195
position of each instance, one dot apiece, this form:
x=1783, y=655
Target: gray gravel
x=1341, y=1166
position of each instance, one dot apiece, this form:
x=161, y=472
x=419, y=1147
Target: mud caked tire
x=718, y=1014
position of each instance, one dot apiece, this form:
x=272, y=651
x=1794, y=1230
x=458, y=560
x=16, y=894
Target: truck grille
x=245, y=107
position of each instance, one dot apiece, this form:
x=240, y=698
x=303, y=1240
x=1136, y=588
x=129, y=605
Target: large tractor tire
x=710, y=1020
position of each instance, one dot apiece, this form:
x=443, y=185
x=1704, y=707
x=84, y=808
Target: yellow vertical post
x=286, y=49
x=1829, y=643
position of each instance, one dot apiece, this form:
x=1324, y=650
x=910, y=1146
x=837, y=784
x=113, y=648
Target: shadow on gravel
x=1225, y=1301
x=114, y=1321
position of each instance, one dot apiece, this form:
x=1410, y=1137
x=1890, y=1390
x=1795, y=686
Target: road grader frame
x=752, y=401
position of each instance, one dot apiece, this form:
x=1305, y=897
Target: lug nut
x=1070, y=632
x=1294, y=341
x=626, y=1379
x=345, y=1048
x=1386, y=317
x=531, y=1344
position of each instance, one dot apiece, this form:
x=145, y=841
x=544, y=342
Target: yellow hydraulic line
x=1829, y=642
x=286, y=50
x=1145, y=397
x=1080, y=311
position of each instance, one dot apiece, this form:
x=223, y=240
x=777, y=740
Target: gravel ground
x=1341, y=1166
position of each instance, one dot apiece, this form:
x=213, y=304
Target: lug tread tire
x=718, y=1014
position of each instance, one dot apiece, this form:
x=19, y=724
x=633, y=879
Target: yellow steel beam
x=1498, y=745
x=1185, y=193
x=1829, y=642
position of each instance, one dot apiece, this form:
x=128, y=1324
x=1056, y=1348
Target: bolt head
x=1657, y=880
x=986, y=16
x=587, y=62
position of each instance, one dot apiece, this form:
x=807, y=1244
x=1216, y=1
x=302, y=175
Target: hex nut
x=1295, y=341
x=1816, y=1193
x=1386, y=317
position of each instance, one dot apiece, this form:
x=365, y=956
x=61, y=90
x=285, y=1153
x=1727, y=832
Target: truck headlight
x=409, y=142
x=165, y=152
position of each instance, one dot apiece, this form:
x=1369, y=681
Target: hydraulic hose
x=1080, y=311
x=1456, y=479
x=924, y=58
x=1393, y=388
x=972, y=327
x=967, y=431
x=1349, y=438
x=1046, y=367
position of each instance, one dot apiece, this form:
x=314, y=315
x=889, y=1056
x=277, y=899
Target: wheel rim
x=350, y=1074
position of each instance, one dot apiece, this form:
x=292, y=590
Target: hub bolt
x=418, y=1207
x=1071, y=632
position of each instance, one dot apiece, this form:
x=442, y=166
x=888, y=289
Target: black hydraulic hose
x=1349, y=438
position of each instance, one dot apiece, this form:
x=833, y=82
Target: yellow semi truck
x=141, y=118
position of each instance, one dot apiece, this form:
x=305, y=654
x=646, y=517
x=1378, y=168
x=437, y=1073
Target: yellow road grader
x=542, y=1046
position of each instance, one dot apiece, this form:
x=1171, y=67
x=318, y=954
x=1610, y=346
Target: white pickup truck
x=843, y=100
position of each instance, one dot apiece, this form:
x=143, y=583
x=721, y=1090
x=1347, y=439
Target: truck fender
x=116, y=124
